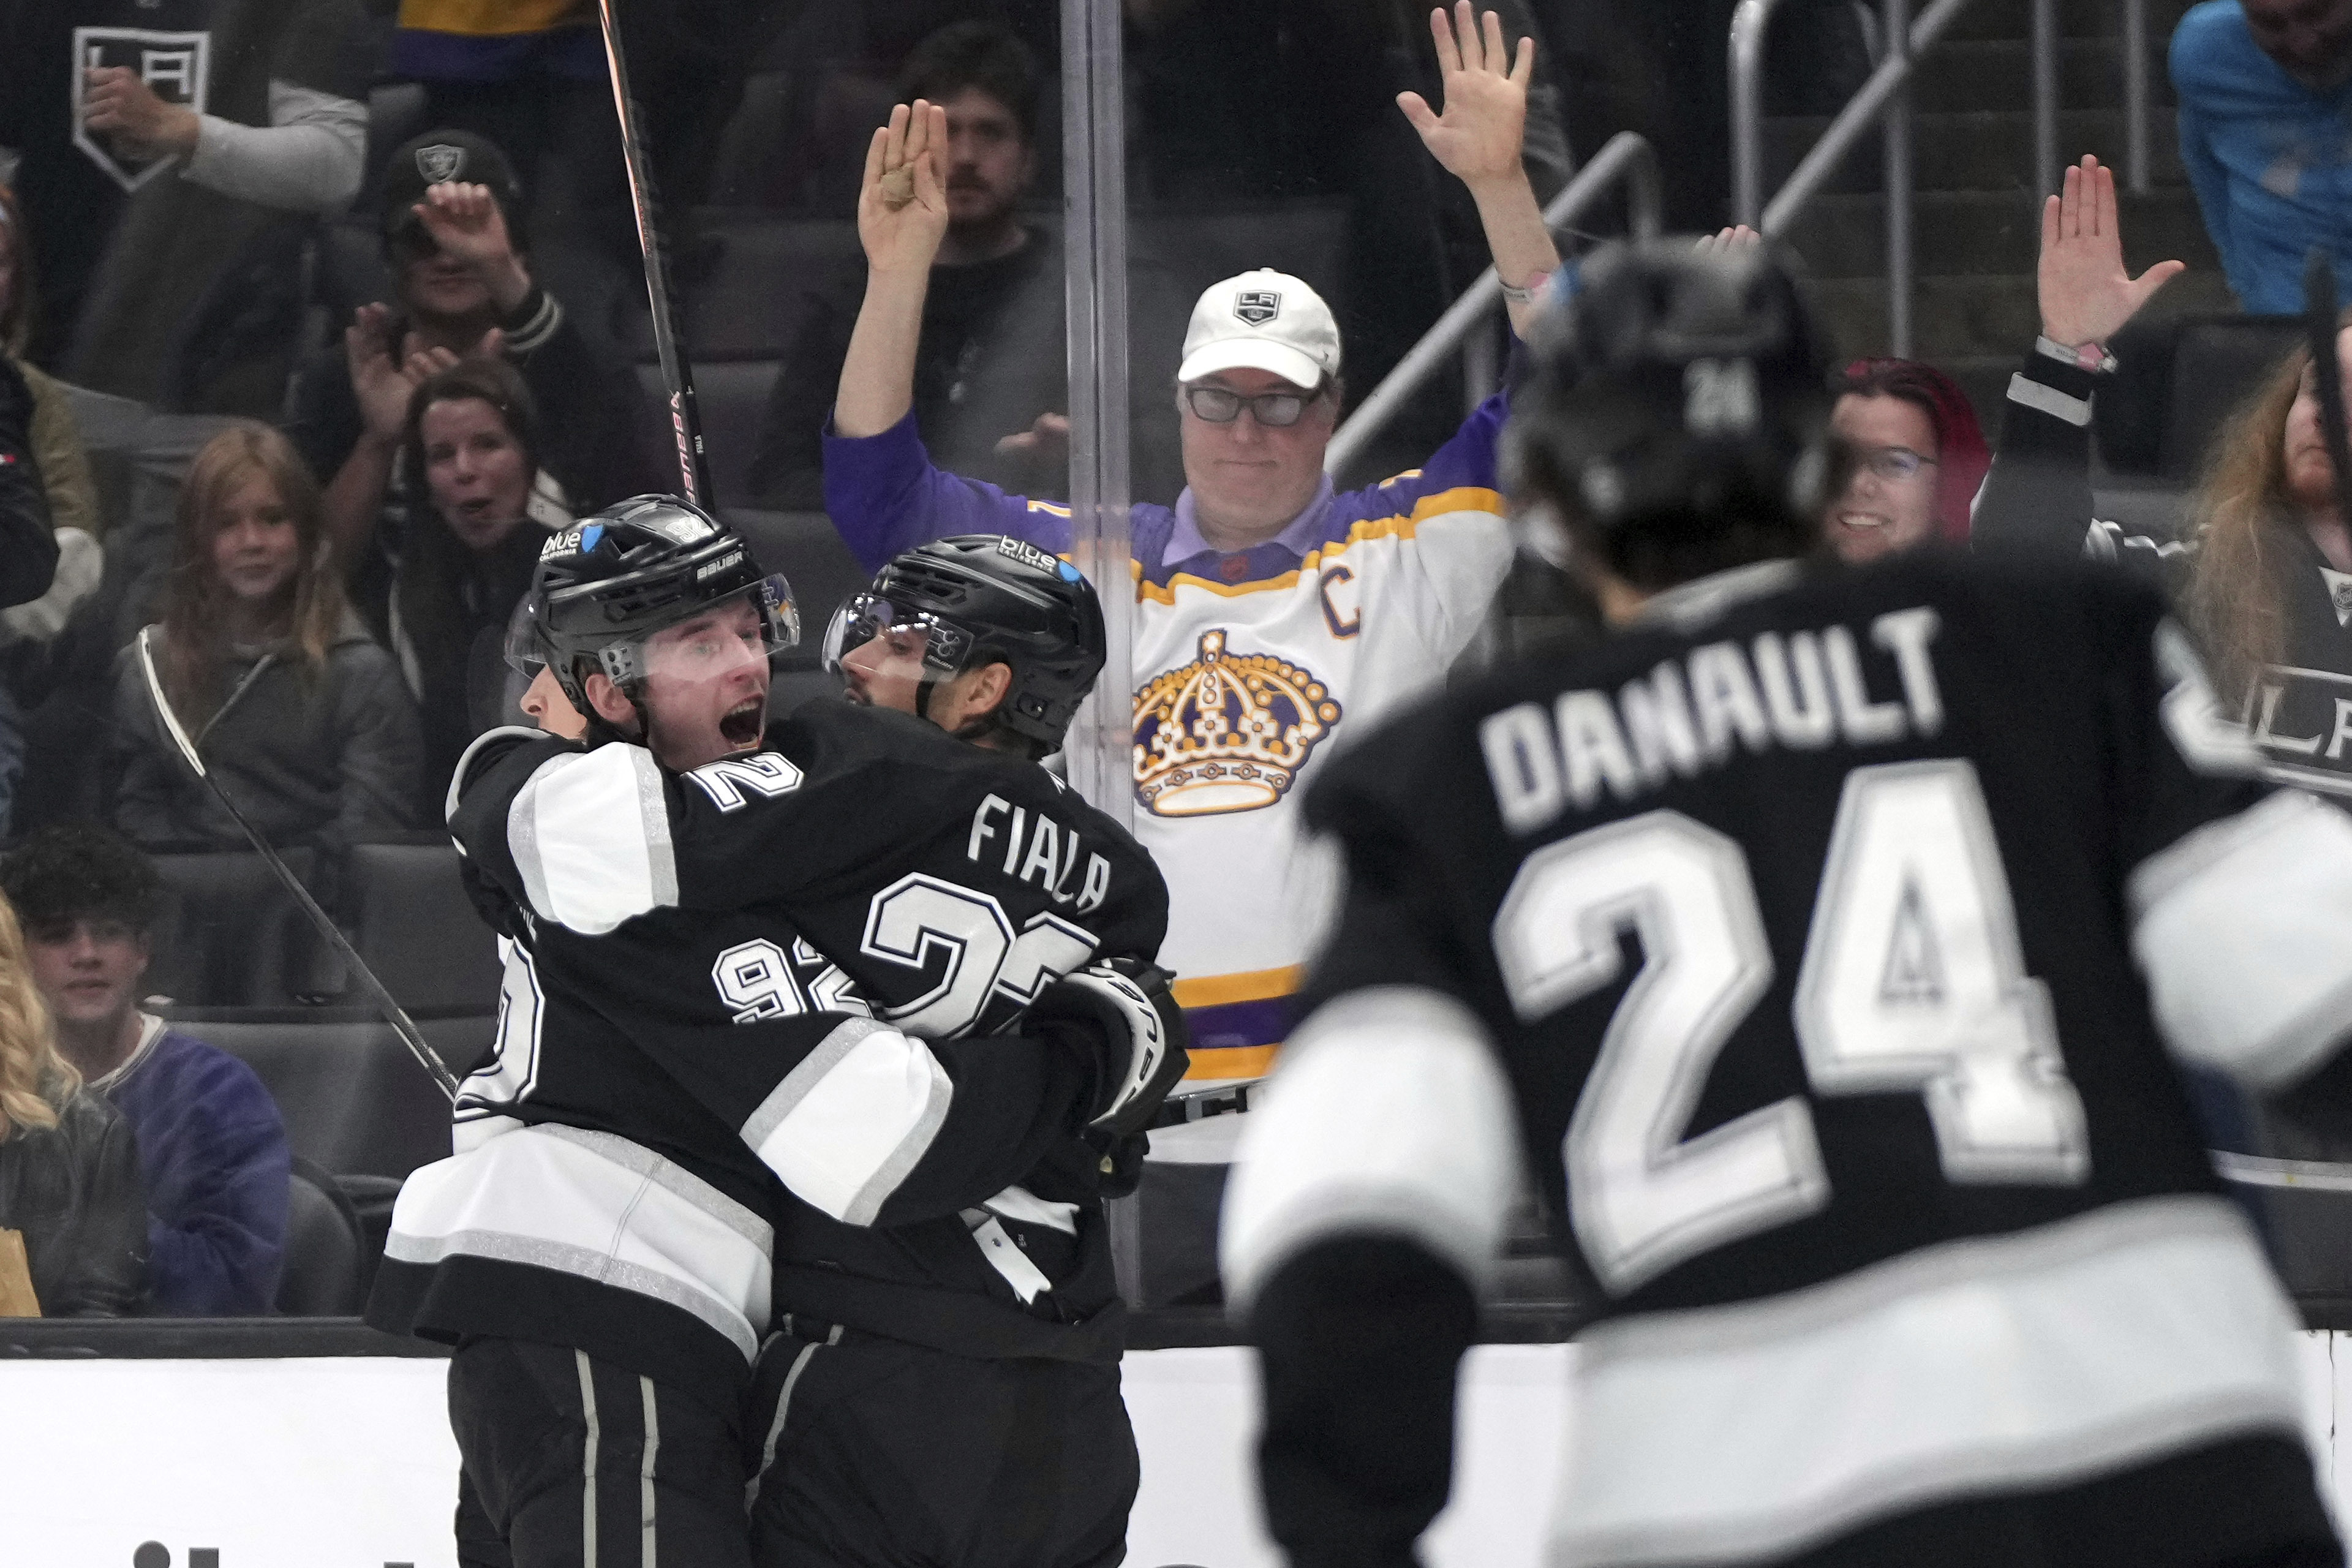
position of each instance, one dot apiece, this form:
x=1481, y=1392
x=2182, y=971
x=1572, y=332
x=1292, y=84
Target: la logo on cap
x=439, y=163
x=1257, y=306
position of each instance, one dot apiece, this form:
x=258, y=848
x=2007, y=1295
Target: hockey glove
x=1142, y=1032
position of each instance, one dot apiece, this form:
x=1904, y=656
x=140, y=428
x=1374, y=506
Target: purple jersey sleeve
x=1467, y=461
x=885, y=496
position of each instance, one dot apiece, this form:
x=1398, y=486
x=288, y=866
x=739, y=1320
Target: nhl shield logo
x=174, y=66
x=1257, y=306
x=440, y=162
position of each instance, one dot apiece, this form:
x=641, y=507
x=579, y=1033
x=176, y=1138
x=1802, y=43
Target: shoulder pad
x=484, y=752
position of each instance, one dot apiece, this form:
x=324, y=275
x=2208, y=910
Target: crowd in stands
x=313, y=330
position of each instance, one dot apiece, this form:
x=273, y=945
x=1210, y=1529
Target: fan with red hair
x=1961, y=453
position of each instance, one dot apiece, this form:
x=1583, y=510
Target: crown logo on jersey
x=1227, y=732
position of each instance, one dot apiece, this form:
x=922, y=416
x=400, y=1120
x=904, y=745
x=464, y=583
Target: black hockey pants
x=875, y=1454
x=571, y=1462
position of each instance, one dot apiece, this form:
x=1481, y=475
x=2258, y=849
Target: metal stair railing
x=1626, y=158
x=1886, y=97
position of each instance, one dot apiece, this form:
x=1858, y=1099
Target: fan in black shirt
x=990, y=380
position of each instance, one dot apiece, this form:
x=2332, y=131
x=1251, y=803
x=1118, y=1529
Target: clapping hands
x=383, y=381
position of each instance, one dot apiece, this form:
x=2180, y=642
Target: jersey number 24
x=1913, y=980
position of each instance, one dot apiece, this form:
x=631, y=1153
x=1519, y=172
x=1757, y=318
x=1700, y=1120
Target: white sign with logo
x=326, y=1463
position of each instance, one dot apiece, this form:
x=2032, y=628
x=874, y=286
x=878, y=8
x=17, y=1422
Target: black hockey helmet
x=1672, y=388
x=987, y=599
x=609, y=582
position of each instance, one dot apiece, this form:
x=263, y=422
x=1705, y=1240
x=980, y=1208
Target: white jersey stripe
x=1388, y=1114
x=590, y=834
x=2244, y=931
x=1747, y=1432
x=588, y=1444
x=847, y=1124
x=597, y=1206
x=648, y=1555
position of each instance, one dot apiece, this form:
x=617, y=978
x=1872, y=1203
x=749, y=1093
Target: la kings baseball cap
x=1262, y=320
x=438, y=157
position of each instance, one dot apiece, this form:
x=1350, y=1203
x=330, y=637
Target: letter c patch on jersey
x=1343, y=611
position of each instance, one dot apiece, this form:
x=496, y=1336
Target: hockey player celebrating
x=697, y=1119
x=1817, y=940
x=988, y=636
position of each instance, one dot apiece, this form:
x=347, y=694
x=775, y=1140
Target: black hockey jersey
x=1791, y=938
x=751, y=1059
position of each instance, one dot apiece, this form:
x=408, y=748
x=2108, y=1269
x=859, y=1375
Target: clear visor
x=913, y=639
x=526, y=653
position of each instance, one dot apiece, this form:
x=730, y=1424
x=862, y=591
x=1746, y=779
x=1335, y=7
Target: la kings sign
x=174, y=66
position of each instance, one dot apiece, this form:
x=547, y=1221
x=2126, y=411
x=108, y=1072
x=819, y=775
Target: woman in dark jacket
x=69, y=1168
x=302, y=717
x=480, y=507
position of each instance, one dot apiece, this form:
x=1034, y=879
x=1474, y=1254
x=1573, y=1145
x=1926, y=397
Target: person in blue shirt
x=2265, y=93
x=212, y=1148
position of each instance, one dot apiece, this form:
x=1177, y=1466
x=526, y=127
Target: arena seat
x=730, y=395
x=1198, y=245
x=2178, y=379
x=2296, y=1180
x=2216, y=364
x=1164, y=1234
x=322, y=1272
x=418, y=931
x=2158, y=511
x=748, y=305
x=353, y=1100
x=230, y=936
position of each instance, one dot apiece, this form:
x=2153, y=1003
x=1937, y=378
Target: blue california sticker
x=590, y=535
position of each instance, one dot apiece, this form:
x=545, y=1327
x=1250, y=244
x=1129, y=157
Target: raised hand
x=1478, y=139
x=378, y=380
x=902, y=204
x=467, y=224
x=1726, y=241
x=2086, y=293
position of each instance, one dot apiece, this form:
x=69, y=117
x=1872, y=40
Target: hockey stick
x=2319, y=310
x=394, y=1014
x=685, y=419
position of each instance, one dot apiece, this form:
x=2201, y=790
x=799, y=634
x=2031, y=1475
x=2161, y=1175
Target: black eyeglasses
x=1276, y=410
x=1895, y=464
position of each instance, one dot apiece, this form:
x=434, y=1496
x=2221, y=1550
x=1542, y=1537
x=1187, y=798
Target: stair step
x=1989, y=150
x=2077, y=19
x=1998, y=73
x=1961, y=315
x=1950, y=316
x=1985, y=232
